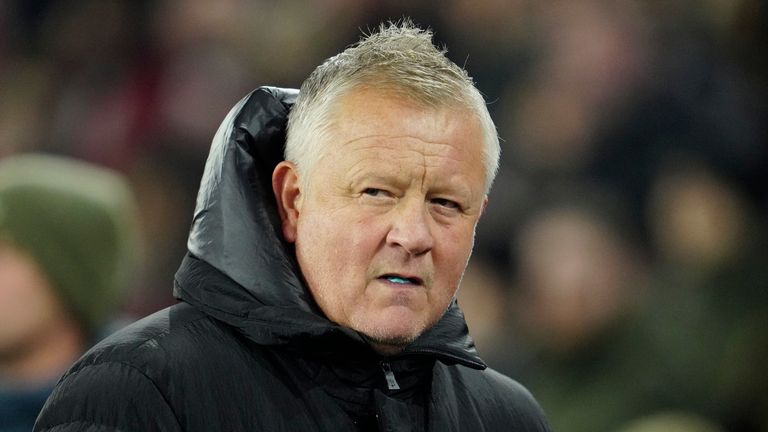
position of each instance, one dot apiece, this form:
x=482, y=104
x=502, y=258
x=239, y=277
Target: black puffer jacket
x=248, y=350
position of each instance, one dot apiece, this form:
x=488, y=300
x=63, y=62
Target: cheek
x=331, y=245
x=334, y=254
x=22, y=285
x=452, y=255
x=27, y=302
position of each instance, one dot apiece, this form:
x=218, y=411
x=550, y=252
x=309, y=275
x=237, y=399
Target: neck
x=44, y=357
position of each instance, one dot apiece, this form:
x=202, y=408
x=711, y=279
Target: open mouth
x=400, y=279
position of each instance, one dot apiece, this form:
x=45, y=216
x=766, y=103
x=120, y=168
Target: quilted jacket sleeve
x=108, y=396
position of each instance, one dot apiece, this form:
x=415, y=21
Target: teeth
x=398, y=280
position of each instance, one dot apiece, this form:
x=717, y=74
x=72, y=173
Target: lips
x=399, y=279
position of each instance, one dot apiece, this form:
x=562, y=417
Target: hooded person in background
x=67, y=244
x=319, y=289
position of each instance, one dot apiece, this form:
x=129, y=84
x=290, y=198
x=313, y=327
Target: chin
x=389, y=344
x=395, y=331
x=401, y=338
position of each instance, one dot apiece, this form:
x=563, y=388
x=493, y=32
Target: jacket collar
x=240, y=271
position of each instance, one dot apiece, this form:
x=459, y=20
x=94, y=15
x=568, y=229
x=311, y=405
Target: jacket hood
x=240, y=271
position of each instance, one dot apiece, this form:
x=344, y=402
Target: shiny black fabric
x=248, y=350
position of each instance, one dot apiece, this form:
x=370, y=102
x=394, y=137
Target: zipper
x=389, y=376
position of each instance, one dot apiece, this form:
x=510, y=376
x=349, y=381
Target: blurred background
x=621, y=270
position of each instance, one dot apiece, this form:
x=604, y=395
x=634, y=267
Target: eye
x=446, y=203
x=373, y=192
x=376, y=194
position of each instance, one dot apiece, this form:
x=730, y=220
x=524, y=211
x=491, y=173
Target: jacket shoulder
x=119, y=383
x=503, y=403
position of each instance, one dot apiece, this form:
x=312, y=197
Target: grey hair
x=399, y=59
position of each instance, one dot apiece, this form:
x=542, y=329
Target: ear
x=285, y=185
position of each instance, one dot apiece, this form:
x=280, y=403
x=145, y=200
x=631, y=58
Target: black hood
x=240, y=271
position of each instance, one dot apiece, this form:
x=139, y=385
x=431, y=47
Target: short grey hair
x=399, y=59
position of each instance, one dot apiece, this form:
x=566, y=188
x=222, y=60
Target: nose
x=411, y=229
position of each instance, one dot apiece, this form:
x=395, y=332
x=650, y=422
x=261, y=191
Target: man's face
x=386, y=226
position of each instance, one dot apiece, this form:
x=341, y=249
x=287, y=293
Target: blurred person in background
x=705, y=310
x=324, y=258
x=67, y=247
x=578, y=276
x=615, y=342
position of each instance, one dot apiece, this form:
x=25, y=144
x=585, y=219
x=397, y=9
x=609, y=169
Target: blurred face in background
x=698, y=219
x=29, y=306
x=386, y=225
x=577, y=274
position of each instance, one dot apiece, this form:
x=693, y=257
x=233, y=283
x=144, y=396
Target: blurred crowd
x=621, y=270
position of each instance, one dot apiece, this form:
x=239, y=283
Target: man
x=66, y=247
x=318, y=292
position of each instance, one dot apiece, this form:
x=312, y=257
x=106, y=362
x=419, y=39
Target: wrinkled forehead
x=366, y=106
x=372, y=125
x=367, y=114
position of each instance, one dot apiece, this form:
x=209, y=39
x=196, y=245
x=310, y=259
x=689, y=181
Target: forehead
x=376, y=116
x=394, y=140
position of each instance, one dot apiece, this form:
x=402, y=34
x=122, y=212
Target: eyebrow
x=377, y=176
